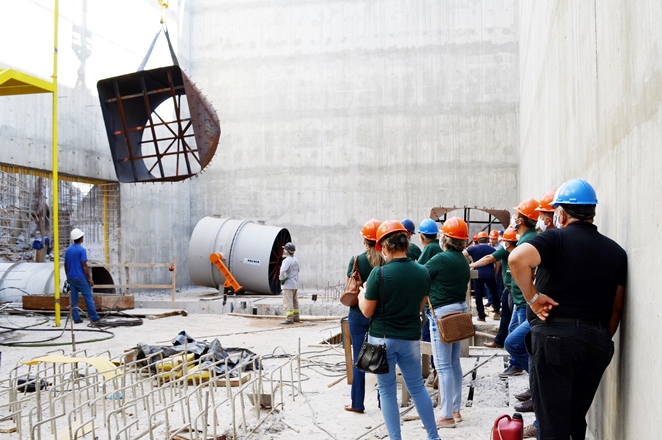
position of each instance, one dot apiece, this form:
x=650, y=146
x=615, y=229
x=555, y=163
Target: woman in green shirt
x=450, y=274
x=395, y=304
x=358, y=324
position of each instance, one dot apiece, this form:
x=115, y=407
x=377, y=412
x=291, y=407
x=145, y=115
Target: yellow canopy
x=13, y=82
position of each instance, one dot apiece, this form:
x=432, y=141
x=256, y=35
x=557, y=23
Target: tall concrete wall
x=591, y=89
x=338, y=111
x=96, y=40
x=332, y=112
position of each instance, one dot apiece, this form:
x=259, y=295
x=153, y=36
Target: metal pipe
x=56, y=208
x=252, y=253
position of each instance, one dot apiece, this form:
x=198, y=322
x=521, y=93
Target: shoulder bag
x=454, y=326
x=372, y=357
x=350, y=297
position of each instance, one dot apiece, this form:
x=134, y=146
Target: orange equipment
x=230, y=281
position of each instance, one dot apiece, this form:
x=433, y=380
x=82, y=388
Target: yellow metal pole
x=105, y=224
x=56, y=186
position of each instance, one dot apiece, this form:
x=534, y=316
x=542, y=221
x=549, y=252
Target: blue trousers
x=516, y=341
x=407, y=355
x=358, y=327
x=504, y=321
x=80, y=285
x=447, y=363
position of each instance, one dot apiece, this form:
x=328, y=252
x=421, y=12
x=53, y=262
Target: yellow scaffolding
x=13, y=82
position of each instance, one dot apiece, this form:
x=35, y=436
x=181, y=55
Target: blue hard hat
x=575, y=192
x=429, y=227
x=409, y=225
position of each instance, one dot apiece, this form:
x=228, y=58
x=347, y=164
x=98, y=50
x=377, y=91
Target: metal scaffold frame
x=13, y=82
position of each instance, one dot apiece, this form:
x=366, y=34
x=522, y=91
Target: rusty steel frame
x=129, y=105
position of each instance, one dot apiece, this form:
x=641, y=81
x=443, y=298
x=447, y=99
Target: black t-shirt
x=581, y=270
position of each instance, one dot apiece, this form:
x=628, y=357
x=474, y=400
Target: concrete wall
x=96, y=40
x=335, y=111
x=591, y=88
x=332, y=112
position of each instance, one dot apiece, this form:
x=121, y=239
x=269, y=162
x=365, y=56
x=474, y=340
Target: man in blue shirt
x=79, y=277
x=485, y=276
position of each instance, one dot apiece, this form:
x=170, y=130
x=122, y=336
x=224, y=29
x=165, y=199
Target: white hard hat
x=76, y=234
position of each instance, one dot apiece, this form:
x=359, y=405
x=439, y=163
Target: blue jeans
x=407, y=355
x=358, y=326
x=518, y=318
x=516, y=346
x=81, y=285
x=447, y=363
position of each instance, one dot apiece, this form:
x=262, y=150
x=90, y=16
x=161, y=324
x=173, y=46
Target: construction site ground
x=313, y=411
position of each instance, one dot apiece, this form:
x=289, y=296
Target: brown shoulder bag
x=350, y=297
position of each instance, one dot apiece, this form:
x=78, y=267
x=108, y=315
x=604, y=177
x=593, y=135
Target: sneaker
x=510, y=371
x=78, y=321
x=530, y=431
x=287, y=322
x=480, y=319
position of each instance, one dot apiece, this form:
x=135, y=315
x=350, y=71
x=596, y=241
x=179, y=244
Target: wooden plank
x=476, y=351
x=101, y=302
x=347, y=342
x=168, y=313
x=234, y=382
x=63, y=433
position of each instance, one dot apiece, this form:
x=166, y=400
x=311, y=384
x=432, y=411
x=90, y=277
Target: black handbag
x=372, y=357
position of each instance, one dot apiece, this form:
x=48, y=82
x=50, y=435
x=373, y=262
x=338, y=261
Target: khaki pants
x=291, y=304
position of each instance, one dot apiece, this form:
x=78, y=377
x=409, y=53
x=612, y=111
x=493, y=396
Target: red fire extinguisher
x=507, y=428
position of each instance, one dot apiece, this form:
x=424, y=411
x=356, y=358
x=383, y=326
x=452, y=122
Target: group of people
x=559, y=303
x=396, y=291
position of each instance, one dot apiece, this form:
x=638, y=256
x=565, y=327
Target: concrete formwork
x=335, y=112
x=591, y=87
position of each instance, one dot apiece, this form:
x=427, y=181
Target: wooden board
x=101, y=302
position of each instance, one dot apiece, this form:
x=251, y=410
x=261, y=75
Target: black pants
x=479, y=288
x=504, y=322
x=566, y=363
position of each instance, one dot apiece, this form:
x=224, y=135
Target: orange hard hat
x=494, y=234
x=546, y=202
x=528, y=209
x=510, y=235
x=455, y=227
x=369, y=230
x=482, y=234
x=387, y=228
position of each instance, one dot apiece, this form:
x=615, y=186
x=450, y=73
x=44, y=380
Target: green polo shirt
x=450, y=274
x=518, y=298
x=406, y=283
x=414, y=251
x=501, y=255
x=429, y=251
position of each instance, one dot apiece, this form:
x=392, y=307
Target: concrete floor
x=317, y=411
